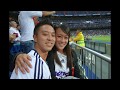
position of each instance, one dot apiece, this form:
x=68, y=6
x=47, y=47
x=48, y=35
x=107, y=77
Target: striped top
x=39, y=70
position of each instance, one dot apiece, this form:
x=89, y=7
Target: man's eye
x=53, y=35
x=45, y=34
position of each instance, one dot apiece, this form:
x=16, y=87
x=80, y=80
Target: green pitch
x=103, y=38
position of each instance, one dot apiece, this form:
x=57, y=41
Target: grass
x=103, y=38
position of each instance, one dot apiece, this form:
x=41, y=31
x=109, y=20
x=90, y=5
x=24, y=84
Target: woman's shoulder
x=50, y=55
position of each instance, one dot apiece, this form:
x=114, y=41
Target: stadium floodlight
x=109, y=20
x=88, y=21
x=61, y=23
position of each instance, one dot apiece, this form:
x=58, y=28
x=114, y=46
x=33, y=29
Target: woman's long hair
x=67, y=49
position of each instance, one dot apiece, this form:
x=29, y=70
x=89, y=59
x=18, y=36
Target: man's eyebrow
x=47, y=31
x=44, y=31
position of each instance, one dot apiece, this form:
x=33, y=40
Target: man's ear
x=35, y=38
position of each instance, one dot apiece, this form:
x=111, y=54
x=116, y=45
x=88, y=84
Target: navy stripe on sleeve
x=39, y=69
x=42, y=70
x=35, y=68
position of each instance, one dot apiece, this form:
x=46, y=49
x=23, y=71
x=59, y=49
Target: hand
x=12, y=37
x=21, y=61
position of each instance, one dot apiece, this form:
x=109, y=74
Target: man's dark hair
x=78, y=29
x=41, y=23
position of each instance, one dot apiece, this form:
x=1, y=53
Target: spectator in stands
x=44, y=37
x=65, y=58
x=14, y=42
x=79, y=39
x=13, y=30
x=27, y=25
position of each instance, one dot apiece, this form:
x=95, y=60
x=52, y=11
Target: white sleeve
x=35, y=13
x=19, y=36
x=20, y=75
x=11, y=31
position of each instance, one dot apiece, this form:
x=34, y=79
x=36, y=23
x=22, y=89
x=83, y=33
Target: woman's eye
x=59, y=36
x=66, y=37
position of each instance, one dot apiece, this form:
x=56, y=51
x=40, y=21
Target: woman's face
x=61, y=39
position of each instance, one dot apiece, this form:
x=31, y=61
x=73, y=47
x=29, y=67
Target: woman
x=61, y=59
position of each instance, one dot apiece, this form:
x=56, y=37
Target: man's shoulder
x=31, y=53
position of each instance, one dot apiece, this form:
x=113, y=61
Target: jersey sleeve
x=34, y=13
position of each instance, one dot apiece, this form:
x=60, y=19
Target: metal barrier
x=93, y=65
x=96, y=46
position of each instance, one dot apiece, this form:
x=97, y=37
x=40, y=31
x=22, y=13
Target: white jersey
x=39, y=70
x=63, y=71
x=27, y=25
x=13, y=30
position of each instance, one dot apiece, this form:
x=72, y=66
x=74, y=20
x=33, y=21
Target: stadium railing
x=93, y=65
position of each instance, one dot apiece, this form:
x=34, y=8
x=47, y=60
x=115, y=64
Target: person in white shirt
x=44, y=37
x=13, y=30
x=27, y=25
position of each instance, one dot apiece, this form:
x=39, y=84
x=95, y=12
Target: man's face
x=45, y=38
x=61, y=39
x=14, y=24
x=77, y=32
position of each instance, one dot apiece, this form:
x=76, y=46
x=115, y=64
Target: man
x=27, y=25
x=44, y=37
x=79, y=39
